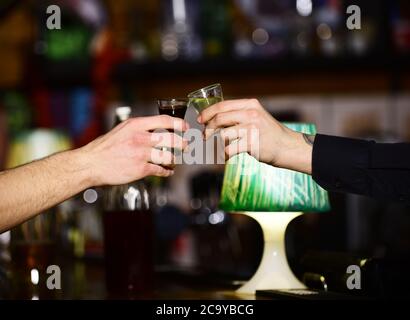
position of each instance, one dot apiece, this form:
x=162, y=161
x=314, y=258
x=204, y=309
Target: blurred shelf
x=289, y=75
x=231, y=66
x=67, y=73
x=286, y=75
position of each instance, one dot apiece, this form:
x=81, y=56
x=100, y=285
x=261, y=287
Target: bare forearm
x=126, y=153
x=30, y=189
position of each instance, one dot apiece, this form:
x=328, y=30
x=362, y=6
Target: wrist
x=81, y=167
x=296, y=153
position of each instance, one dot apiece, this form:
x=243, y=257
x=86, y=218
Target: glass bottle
x=128, y=235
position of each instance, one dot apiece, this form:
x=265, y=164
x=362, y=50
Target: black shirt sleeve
x=380, y=170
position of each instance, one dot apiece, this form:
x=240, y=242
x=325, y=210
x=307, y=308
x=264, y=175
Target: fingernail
x=199, y=119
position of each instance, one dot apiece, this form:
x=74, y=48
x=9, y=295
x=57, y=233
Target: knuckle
x=125, y=124
x=254, y=102
x=165, y=118
x=156, y=170
x=161, y=172
x=219, y=106
x=141, y=139
x=218, y=118
x=147, y=168
x=132, y=122
x=252, y=114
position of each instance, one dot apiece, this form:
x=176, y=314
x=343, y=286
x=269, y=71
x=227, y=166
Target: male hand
x=248, y=127
x=131, y=151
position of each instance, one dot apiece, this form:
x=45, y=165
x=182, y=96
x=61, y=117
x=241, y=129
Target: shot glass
x=205, y=97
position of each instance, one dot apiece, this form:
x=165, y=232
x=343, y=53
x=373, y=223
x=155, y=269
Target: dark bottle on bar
x=128, y=236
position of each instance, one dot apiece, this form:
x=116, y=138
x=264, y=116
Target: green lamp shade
x=250, y=185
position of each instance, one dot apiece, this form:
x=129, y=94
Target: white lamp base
x=274, y=271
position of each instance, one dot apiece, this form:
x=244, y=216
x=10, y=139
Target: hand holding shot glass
x=199, y=100
x=174, y=108
x=209, y=96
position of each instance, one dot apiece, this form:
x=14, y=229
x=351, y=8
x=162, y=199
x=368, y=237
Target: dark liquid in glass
x=177, y=111
x=129, y=253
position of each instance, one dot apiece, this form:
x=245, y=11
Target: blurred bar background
x=296, y=56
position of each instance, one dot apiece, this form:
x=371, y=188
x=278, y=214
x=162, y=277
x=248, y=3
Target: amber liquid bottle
x=128, y=236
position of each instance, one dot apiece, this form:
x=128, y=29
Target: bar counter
x=84, y=280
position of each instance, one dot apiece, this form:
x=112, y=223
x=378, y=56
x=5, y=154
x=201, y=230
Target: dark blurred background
x=297, y=57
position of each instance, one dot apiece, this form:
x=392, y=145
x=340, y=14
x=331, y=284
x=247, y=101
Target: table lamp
x=273, y=197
